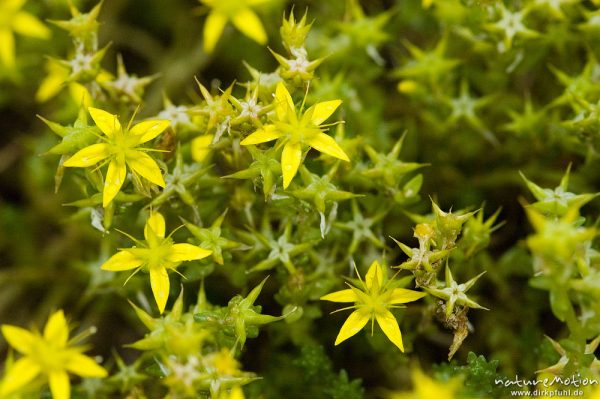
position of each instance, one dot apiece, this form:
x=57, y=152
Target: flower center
x=159, y=251
x=81, y=63
x=298, y=132
x=48, y=356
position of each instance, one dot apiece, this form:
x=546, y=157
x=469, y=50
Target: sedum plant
x=278, y=156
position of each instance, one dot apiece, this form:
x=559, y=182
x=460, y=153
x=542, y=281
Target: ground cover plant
x=266, y=198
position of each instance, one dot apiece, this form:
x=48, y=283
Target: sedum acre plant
x=300, y=170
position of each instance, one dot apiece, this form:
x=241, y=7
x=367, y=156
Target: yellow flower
x=297, y=131
x=236, y=393
x=57, y=79
x=425, y=387
x=201, y=147
x=372, y=302
x=426, y=3
x=51, y=354
x=240, y=13
x=158, y=254
x=120, y=150
x=595, y=393
x=13, y=19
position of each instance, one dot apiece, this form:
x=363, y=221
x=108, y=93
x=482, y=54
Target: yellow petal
x=183, y=252
x=213, y=27
x=402, y=295
x=155, y=225
x=236, y=393
x=249, y=24
x=88, y=156
x=284, y=106
x=49, y=87
x=120, y=261
x=159, y=280
x=148, y=130
x=355, y=322
x=200, y=147
x=13, y=5
x=107, y=123
x=19, y=375
x=322, y=111
x=389, y=325
x=290, y=161
x=267, y=133
x=374, y=277
x=145, y=166
x=59, y=384
x=19, y=338
x=327, y=145
x=85, y=366
x=104, y=76
x=56, y=330
x=7, y=48
x=53, y=83
x=80, y=94
x=28, y=25
x=115, y=177
x=341, y=296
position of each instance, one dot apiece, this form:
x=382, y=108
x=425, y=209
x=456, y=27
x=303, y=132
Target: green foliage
x=478, y=375
x=320, y=379
x=381, y=154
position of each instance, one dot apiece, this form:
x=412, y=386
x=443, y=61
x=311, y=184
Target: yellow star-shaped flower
x=13, y=19
x=240, y=13
x=50, y=354
x=425, y=387
x=120, y=149
x=157, y=254
x=297, y=131
x=373, y=301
